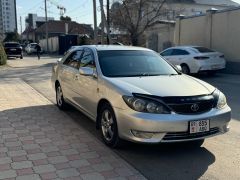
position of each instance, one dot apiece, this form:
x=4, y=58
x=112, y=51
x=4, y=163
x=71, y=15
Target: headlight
x=145, y=105
x=221, y=99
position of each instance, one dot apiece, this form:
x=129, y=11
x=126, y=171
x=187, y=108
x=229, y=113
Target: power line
x=33, y=7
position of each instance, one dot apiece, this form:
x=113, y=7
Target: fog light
x=141, y=134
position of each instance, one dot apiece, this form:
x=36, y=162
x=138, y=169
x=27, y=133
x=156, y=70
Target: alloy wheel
x=107, y=125
x=59, y=96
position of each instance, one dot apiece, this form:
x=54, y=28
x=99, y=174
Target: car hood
x=175, y=85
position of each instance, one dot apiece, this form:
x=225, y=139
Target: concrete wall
x=160, y=37
x=219, y=30
x=53, y=44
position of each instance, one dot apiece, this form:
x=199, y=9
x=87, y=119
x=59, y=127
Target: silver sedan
x=133, y=94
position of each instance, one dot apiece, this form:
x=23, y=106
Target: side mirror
x=86, y=71
x=179, y=68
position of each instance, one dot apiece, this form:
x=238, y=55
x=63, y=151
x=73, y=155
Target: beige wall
x=219, y=31
x=52, y=44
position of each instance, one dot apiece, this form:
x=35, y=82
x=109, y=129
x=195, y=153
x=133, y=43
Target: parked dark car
x=13, y=49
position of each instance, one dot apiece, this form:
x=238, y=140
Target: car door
x=179, y=56
x=167, y=54
x=67, y=74
x=86, y=86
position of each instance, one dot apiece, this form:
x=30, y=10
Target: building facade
x=34, y=21
x=8, y=20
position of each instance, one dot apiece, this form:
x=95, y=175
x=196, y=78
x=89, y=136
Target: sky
x=79, y=10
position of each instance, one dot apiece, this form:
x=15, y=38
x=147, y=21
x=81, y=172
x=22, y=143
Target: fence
x=218, y=30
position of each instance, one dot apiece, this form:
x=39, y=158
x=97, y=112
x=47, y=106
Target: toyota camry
x=133, y=94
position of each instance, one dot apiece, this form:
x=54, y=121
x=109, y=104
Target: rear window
x=33, y=45
x=11, y=45
x=203, y=49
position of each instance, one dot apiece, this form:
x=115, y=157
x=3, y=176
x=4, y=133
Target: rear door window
x=179, y=52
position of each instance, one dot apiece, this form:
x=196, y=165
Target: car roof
x=11, y=43
x=114, y=48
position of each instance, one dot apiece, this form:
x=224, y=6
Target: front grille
x=174, y=136
x=185, y=104
x=202, y=107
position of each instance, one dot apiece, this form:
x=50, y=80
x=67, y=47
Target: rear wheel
x=59, y=98
x=21, y=57
x=185, y=69
x=108, y=126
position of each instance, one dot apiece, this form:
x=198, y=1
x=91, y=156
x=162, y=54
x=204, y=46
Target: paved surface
x=40, y=142
x=218, y=158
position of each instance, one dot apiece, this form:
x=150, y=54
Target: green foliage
x=66, y=18
x=12, y=36
x=3, y=56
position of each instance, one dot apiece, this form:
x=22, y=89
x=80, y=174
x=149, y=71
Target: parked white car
x=31, y=48
x=194, y=59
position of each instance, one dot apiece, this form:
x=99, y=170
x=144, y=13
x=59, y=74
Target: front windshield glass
x=129, y=63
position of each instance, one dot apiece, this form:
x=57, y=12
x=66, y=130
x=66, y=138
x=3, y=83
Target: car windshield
x=12, y=45
x=129, y=63
x=203, y=50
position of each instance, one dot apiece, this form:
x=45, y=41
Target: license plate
x=199, y=126
x=13, y=49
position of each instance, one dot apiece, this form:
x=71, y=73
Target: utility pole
x=46, y=19
x=104, y=20
x=21, y=28
x=102, y=28
x=108, y=22
x=95, y=22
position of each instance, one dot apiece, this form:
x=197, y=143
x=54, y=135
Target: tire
x=185, y=69
x=108, y=127
x=21, y=57
x=59, y=98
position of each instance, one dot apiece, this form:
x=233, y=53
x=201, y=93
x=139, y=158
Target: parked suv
x=13, y=49
x=134, y=94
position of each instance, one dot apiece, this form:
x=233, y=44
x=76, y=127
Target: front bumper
x=169, y=127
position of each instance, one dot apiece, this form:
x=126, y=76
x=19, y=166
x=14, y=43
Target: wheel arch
x=100, y=103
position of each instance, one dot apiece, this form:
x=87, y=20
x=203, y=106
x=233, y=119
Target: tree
x=136, y=16
x=11, y=36
x=66, y=18
x=3, y=56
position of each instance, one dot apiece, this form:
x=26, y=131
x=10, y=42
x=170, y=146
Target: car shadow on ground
x=159, y=161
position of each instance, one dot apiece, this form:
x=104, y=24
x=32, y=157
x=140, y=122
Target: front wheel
x=59, y=98
x=108, y=126
x=185, y=69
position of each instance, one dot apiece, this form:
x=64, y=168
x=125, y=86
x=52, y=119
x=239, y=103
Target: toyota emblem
x=195, y=107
